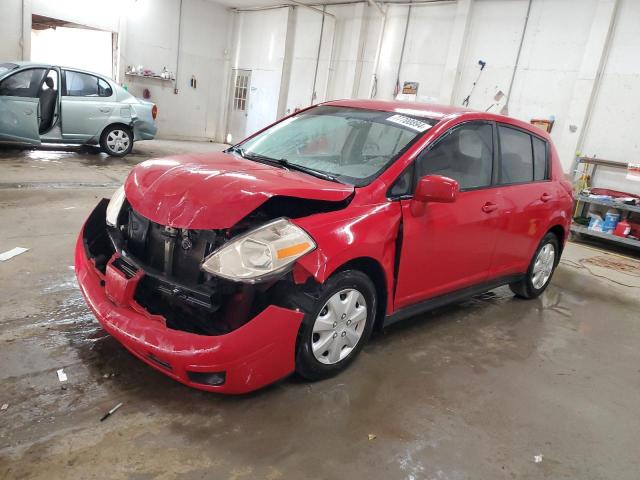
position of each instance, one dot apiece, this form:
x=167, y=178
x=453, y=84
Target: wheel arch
x=560, y=233
x=116, y=124
x=373, y=269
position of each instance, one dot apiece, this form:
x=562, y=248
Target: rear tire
x=338, y=325
x=540, y=269
x=117, y=141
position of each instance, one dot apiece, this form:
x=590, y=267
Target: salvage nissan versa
x=228, y=271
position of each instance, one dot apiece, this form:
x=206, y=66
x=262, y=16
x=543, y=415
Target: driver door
x=19, y=106
x=449, y=246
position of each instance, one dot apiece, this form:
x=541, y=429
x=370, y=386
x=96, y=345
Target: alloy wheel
x=339, y=326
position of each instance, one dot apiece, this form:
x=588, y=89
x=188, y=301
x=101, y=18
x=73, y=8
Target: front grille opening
x=173, y=286
x=216, y=313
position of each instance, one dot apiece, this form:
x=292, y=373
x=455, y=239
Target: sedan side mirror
x=436, y=188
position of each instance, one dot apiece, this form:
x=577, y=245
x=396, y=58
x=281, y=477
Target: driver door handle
x=489, y=207
x=546, y=197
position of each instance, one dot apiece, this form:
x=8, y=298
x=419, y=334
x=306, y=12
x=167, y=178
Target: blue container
x=611, y=219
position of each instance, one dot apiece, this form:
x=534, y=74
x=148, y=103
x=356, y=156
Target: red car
x=228, y=271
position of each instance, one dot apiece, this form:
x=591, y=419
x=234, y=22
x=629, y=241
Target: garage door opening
x=68, y=44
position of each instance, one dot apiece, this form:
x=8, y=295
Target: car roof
x=22, y=64
x=434, y=111
x=419, y=109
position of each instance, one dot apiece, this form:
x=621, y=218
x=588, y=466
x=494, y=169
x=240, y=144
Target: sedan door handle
x=546, y=197
x=105, y=110
x=28, y=112
x=489, y=207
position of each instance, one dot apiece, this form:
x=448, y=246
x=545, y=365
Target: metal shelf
x=605, y=203
x=154, y=77
x=605, y=236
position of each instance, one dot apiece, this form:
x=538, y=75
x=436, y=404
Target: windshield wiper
x=283, y=162
x=294, y=166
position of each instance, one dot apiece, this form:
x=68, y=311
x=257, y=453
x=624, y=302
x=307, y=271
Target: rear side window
x=25, y=83
x=516, y=165
x=540, y=163
x=465, y=154
x=84, y=85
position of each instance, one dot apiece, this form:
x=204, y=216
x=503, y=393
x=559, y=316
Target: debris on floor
x=537, y=458
x=12, y=253
x=110, y=412
x=4, y=406
x=372, y=436
x=61, y=375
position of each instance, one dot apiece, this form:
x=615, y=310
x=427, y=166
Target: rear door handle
x=489, y=207
x=546, y=197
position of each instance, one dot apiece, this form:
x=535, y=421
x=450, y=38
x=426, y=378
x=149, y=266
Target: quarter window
x=540, y=169
x=85, y=85
x=465, y=154
x=23, y=84
x=516, y=165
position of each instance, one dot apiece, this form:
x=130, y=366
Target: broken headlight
x=261, y=253
x=114, y=207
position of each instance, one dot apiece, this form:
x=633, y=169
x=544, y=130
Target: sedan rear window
x=350, y=144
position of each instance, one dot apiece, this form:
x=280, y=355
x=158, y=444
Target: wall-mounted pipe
x=315, y=73
x=175, y=85
x=505, y=109
x=287, y=5
x=417, y=3
x=404, y=42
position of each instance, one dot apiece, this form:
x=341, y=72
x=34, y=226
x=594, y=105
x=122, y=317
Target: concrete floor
x=475, y=390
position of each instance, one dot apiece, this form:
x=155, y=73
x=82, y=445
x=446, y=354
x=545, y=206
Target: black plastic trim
x=447, y=298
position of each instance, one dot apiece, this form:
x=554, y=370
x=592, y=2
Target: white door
x=239, y=105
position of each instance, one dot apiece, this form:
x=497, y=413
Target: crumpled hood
x=216, y=190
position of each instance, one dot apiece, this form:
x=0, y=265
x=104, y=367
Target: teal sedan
x=49, y=104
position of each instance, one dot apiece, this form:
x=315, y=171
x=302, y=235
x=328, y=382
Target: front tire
x=116, y=141
x=333, y=333
x=540, y=269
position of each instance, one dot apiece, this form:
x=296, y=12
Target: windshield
x=5, y=67
x=351, y=145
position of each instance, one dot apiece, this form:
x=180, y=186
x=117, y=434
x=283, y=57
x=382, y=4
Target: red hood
x=216, y=190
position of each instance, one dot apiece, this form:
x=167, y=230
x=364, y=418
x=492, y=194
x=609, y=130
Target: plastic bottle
x=611, y=219
x=623, y=228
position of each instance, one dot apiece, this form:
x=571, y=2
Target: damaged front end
x=167, y=264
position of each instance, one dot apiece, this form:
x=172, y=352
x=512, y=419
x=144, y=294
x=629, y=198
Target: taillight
x=154, y=112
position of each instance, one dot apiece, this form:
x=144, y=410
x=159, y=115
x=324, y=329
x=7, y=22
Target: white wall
x=11, y=30
x=614, y=129
x=260, y=47
x=151, y=40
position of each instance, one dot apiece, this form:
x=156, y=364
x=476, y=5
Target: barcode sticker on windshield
x=412, y=123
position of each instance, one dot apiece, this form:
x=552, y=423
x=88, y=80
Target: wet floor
x=474, y=390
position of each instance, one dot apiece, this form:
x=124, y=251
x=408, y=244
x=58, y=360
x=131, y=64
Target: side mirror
x=436, y=188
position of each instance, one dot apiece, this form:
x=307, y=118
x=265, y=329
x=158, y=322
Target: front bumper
x=252, y=356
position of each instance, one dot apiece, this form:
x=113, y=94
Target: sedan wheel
x=118, y=141
x=339, y=326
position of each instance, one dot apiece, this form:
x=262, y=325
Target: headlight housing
x=115, y=205
x=261, y=253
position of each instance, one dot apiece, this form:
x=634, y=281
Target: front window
x=351, y=145
x=25, y=83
